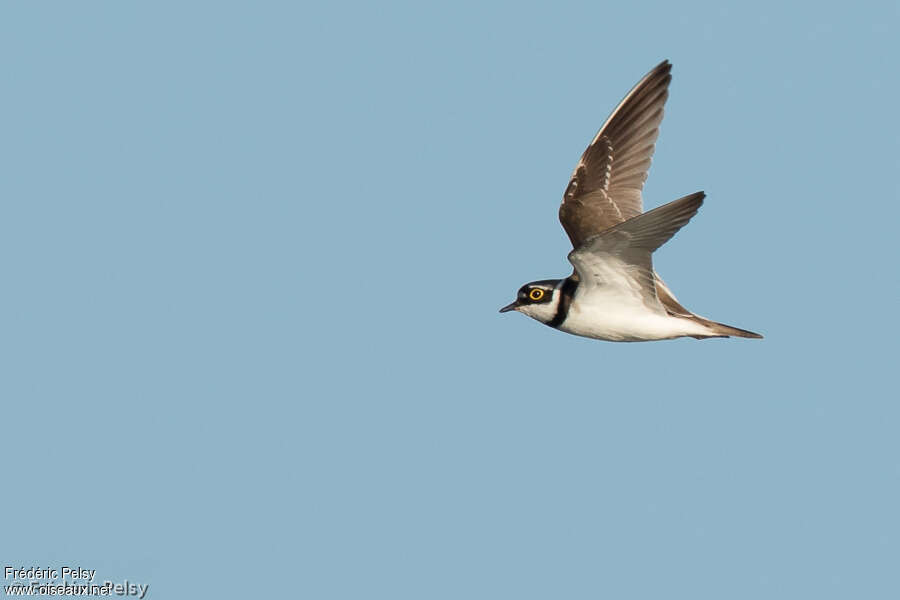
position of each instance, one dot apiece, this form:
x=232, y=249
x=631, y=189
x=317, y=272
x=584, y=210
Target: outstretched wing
x=618, y=261
x=605, y=187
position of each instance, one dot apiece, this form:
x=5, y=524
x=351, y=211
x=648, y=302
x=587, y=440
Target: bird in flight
x=613, y=293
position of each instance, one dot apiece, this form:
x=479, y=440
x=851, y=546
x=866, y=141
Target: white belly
x=628, y=323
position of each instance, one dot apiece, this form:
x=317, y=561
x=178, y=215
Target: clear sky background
x=253, y=254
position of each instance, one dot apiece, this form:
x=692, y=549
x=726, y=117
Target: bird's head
x=538, y=299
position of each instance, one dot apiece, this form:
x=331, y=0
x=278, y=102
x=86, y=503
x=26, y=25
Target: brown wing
x=668, y=300
x=605, y=187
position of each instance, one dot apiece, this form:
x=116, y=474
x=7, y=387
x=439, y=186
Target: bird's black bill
x=509, y=307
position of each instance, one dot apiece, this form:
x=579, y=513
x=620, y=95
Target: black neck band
x=566, y=293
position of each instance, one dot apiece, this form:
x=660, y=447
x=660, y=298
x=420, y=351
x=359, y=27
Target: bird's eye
x=536, y=294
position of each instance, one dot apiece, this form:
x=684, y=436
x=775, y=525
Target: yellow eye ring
x=536, y=294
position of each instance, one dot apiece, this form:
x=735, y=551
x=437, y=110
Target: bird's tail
x=723, y=330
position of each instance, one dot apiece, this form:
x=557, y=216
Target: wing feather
x=605, y=187
x=621, y=256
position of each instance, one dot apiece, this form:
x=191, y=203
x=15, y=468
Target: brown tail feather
x=723, y=330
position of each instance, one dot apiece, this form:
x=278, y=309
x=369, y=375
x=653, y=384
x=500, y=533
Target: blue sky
x=253, y=256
